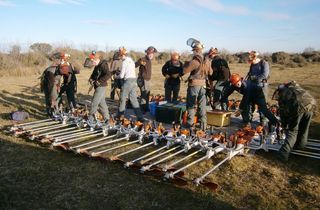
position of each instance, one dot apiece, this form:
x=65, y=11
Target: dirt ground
x=33, y=176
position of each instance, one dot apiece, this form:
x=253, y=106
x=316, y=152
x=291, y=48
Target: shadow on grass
x=40, y=178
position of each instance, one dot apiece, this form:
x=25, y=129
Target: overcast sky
x=235, y=25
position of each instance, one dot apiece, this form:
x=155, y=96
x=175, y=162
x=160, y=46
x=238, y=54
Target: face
x=252, y=57
x=238, y=84
x=95, y=61
x=150, y=56
x=196, y=51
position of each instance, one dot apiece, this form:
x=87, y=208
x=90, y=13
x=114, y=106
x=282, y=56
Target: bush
x=43, y=48
x=243, y=57
x=163, y=57
x=280, y=57
x=297, y=58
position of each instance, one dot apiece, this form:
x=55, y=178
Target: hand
x=253, y=78
x=143, y=63
x=97, y=83
x=90, y=81
x=167, y=76
x=175, y=76
x=237, y=113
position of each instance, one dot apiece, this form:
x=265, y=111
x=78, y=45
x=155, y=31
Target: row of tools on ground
x=165, y=151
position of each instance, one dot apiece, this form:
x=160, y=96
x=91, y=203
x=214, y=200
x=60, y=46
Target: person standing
x=50, y=84
x=258, y=74
x=144, y=76
x=221, y=74
x=98, y=79
x=128, y=89
x=199, y=68
x=172, y=70
x=116, y=82
x=69, y=84
x=296, y=107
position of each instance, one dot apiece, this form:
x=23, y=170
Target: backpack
x=295, y=95
x=19, y=115
x=205, y=67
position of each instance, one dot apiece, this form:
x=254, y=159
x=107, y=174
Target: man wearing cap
x=221, y=74
x=69, y=84
x=252, y=94
x=172, y=70
x=116, y=82
x=128, y=89
x=144, y=76
x=50, y=84
x=199, y=68
x=98, y=80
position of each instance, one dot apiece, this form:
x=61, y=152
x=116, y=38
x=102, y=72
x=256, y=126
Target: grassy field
x=34, y=177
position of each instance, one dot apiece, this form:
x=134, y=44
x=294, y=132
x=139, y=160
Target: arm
x=164, y=69
x=51, y=80
x=122, y=69
x=181, y=69
x=189, y=66
x=226, y=91
x=138, y=63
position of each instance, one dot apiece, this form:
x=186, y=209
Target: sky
x=232, y=25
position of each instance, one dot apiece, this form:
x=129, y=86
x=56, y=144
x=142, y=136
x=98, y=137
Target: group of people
x=208, y=75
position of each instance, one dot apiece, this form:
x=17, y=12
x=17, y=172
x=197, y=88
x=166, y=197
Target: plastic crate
x=218, y=118
x=168, y=113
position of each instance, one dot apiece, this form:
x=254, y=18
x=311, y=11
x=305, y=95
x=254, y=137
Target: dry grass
x=35, y=177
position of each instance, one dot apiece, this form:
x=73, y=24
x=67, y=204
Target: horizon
x=235, y=26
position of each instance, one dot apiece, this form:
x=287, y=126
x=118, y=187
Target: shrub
x=44, y=48
x=280, y=57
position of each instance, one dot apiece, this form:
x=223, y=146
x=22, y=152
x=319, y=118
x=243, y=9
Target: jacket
x=101, y=73
x=221, y=71
x=173, y=71
x=199, y=68
x=145, y=68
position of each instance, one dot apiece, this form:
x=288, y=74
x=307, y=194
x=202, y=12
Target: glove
x=97, y=83
x=175, y=76
x=143, y=63
x=253, y=78
x=237, y=113
x=167, y=76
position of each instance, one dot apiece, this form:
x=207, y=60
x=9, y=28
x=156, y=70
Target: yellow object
x=218, y=118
